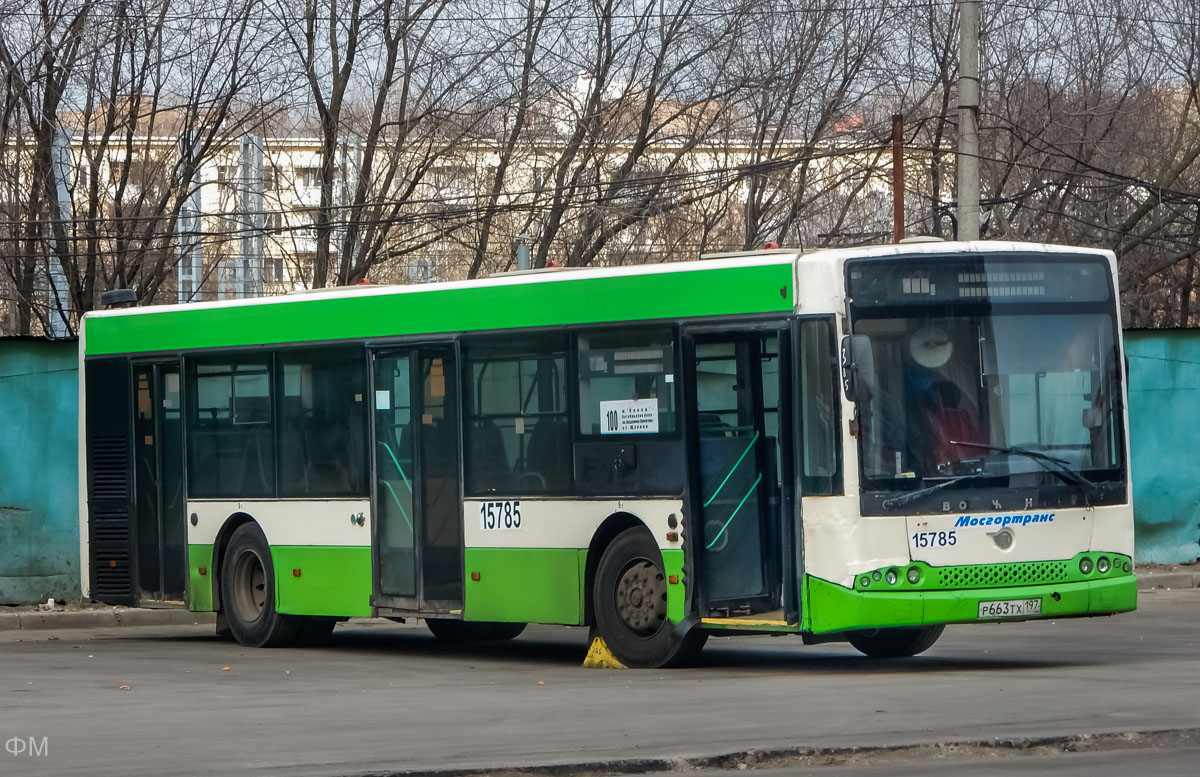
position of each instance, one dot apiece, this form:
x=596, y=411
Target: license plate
x=1010, y=608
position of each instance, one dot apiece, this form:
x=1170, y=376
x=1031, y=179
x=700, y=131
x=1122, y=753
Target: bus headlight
x=914, y=575
x=891, y=577
x=1102, y=565
x=1085, y=565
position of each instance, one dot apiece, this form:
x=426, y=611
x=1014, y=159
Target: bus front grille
x=1001, y=575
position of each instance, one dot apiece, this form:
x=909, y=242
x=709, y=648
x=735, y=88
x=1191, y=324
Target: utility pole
x=59, y=298
x=349, y=165
x=968, y=120
x=898, y=177
x=252, y=211
x=252, y=217
x=188, y=224
x=523, y=252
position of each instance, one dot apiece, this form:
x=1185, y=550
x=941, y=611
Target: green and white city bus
x=859, y=445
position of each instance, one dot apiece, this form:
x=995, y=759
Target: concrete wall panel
x=39, y=503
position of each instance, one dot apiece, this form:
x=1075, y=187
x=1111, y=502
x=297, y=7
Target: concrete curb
x=99, y=619
x=1170, y=580
x=810, y=756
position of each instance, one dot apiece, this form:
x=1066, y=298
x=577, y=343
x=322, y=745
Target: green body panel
x=805, y=618
x=676, y=593
x=635, y=297
x=333, y=580
x=972, y=576
x=836, y=608
x=524, y=585
x=200, y=587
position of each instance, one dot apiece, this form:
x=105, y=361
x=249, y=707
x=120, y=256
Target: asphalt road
x=390, y=698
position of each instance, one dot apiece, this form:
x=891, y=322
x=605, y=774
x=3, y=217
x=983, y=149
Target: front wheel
x=895, y=643
x=248, y=592
x=630, y=598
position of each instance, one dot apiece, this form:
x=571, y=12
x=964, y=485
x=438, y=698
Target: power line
x=652, y=12
x=601, y=194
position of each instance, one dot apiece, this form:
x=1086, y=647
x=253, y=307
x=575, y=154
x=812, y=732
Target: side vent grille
x=110, y=520
x=111, y=562
x=110, y=467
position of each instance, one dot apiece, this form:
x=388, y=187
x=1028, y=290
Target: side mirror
x=858, y=367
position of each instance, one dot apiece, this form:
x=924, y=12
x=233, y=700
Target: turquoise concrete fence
x=39, y=491
x=39, y=529
x=1164, y=420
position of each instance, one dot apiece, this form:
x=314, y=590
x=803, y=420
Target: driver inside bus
x=947, y=422
x=939, y=419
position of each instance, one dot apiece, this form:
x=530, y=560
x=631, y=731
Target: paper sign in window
x=629, y=416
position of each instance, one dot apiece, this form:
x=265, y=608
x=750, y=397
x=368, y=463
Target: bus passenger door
x=418, y=476
x=159, y=506
x=738, y=457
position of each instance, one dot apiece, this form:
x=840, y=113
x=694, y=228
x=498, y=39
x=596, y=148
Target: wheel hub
x=250, y=586
x=642, y=597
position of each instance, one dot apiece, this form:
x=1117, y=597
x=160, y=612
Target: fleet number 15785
x=505, y=515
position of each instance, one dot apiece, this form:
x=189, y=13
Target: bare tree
x=398, y=83
x=809, y=70
x=123, y=84
x=37, y=77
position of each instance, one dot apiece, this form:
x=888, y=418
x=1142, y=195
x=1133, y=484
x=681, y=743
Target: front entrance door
x=418, y=505
x=160, y=508
x=735, y=381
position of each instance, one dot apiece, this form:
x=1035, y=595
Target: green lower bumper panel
x=524, y=585
x=323, y=580
x=309, y=580
x=832, y=607
x=200, y=578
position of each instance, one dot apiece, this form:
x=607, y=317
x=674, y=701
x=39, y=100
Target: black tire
x=315, y=630
x=449, y=630
x=630, y=602
x=502, y=631
x=248, y=592
x=223, y=631
x=895, y=643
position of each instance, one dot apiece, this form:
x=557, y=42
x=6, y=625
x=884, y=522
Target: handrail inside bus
x=396, y=461
x=391, y=490
x=396, y=499
x=737, y=510
x=732, y=470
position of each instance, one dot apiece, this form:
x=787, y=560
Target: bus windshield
x=1003, y=375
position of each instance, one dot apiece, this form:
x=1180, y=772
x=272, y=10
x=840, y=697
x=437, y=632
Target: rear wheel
x=630, y=600
x=895, y=643
x=248, y=592
x=449, y=630
x=315, y=630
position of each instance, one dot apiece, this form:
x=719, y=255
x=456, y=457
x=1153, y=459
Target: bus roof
x=748, y=283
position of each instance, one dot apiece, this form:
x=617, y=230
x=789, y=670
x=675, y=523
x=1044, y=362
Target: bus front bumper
x=832, y=607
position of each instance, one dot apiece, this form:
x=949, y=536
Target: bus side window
x=322, y=422
x=231, y=445
x=627, y=382
x=518, y=438
x=819, y=407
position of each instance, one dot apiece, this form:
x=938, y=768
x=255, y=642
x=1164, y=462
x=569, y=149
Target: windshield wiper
x=900, y=500
x=1051, y=464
